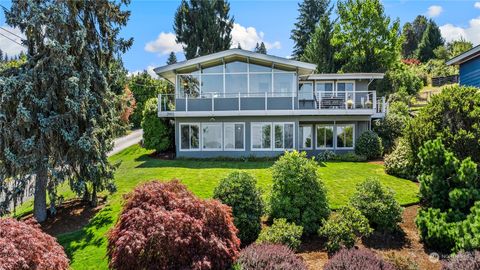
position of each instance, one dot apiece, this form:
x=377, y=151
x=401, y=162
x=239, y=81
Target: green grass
x=87, y=247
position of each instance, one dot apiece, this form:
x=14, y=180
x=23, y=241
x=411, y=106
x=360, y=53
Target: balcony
x=268, y=103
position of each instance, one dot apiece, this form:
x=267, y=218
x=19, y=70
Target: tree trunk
x=40, y=196
x=94, y=201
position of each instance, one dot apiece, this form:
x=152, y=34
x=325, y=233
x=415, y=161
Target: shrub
x=349, y=259
x=269, y=257
x=238, y=190
x=400, y=76
x=464, y=261
x=23, y=245
x=282, y=232
x=164, y=226
x=400, y=262
x=390, y=128
x=328, y=155
x=158, y=134
x=298, y=194
x=437, y=229
x=468, y=235
x=377, y=204
x=343, y=228
x=369, y=145
x=401, y=162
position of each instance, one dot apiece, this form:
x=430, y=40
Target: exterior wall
x=470, y=72
x=361, y=123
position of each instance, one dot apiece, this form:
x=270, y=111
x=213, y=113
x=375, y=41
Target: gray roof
x=464, y=57
x=346, y=76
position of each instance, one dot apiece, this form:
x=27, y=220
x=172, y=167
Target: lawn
x=87, y=247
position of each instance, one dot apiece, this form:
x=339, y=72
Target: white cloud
x=434, y=11
x=164, y=44
x=248, y=37
x=9, y=47
x=149, y=70
x=477, y=5
x=471, y=33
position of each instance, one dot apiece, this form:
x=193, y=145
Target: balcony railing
x=358, y=100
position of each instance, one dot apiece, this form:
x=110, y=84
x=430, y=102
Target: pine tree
x=58, y=110
x=410, y=42
x=1, y=55
x=320, y=50
x=260, y=48
x=172, y=58
x=203, y=26
x=419, y=26
x=310, y=13
x=432, y=39
x=239, y=46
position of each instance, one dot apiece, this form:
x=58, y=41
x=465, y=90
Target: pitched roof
x=464, y=57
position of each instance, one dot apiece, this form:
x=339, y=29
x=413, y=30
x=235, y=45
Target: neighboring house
x=469, y=63
x=238, y=103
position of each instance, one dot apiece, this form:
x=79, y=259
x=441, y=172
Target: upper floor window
x=324, y=87
x=345, y=87
x=305, y=91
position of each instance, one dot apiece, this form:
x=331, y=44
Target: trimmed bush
x=158, y=134
x=269, y=257
x=343, y=228
x=328, y=155
x=369, y=145
x=349, y=259
x=464, y=261
x=238, y=190
x=378, y=205
x=282, y=232
x=298, y=194
x=23, y=245
x=164, y=226
x=401, y=162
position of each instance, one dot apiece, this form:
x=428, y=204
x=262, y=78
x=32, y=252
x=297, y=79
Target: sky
x=151, y=26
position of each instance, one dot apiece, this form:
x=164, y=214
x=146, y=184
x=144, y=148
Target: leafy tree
x=458, y=47
x=203, y=26
x=319, y=49
x=310, y=13
x=410, y=42
x=431, y=39
x=58, y=109
x=172, y=58
x=260, y=48
x=367, y=39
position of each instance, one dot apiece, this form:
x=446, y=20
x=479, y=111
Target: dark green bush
x=378, y=205
x=469, y=230
x=437, y=229
x=298, y=194
x=390, y=128
x=158, y=133
x=398, y=77
x=401, y=162
x=328, y=155
x=369, y=145
x=238, y=190
x=282, y=232
x=343, y=228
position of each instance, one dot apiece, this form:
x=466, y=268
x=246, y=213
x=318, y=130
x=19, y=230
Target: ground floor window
x=345, y=135
x=283, y=136
x=268, y=136
x=261, y=135
x=234, y=136
x=189, y=136
x=305, y=133
x=212, y=136
x=324, y=136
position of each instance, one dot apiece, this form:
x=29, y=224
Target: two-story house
x=238, y=103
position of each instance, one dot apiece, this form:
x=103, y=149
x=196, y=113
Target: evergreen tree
x=410, y=41
x=5, y=59
x=1, y=55
x=431, y=39
x=172, y=58
x=260, y=48
x=419, y=26
x=320, y=50
x=239, y=46
x=203, y=26
x=367, y=39
x=310, y=13
x=58, y=109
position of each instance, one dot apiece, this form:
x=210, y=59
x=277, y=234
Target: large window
x=283, y=133
x=212, y=85
x=305, y=133
x=189, y=136
x=324, y=136
x=235, y=83
x=283, y=83
x=345, y=87
x=345, y=135
x=261, y=136
x=324, y=89
x=234, y=136
x=305, y=91
x=212, y=136
x=260, y=83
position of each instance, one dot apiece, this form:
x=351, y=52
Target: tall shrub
x=269, y=257
x=369, y=145
x=23, y=245
x=238, y=190
x=401, y=161
x=158, y=133
x=298, y=194
x=164, y=226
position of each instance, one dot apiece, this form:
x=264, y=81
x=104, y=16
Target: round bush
x=23, y=245
x=282, y=232
x=464, y=261
x=269, y=257
x=164, y=226
x=158, y=134
x=298, y=195
x=347, y=259
x=369, y=145
x=378, y=205
x=238, y=190
x=400, y=162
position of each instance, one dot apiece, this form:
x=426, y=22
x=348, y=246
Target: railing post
x=345, y=97
x=239, y=102
x=293, y=101
x=186, y=102
x=165, y=104
x=383, y=105
x=213, y=102
x=266, y=100
x=374, y=101
x=320, y=101
x=159, y=103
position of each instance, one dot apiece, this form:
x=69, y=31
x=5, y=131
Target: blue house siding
x=470, y=72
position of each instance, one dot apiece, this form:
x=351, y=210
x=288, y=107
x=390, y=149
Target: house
x=238, y=103
x=469, y=63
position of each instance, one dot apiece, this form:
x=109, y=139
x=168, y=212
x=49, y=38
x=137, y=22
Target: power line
x=12, y=40
x=10, y=32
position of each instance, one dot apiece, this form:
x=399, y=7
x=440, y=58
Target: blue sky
x=270, y=21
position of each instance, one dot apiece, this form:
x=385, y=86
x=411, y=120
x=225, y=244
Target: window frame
x=301, y=137
x=203, y=137
x=346, y=81
x=283, y=136
x=333, y=92
x=317, y=147
x=200, y=131
x=313, y=89
x=252, y=124
x=353, y=136
x=225, y=124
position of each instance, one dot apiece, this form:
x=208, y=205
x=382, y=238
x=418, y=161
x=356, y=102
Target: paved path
x=126, y=141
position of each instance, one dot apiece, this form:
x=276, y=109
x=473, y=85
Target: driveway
x=126, y=141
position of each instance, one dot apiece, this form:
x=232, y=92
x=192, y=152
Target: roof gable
x=466, y=56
